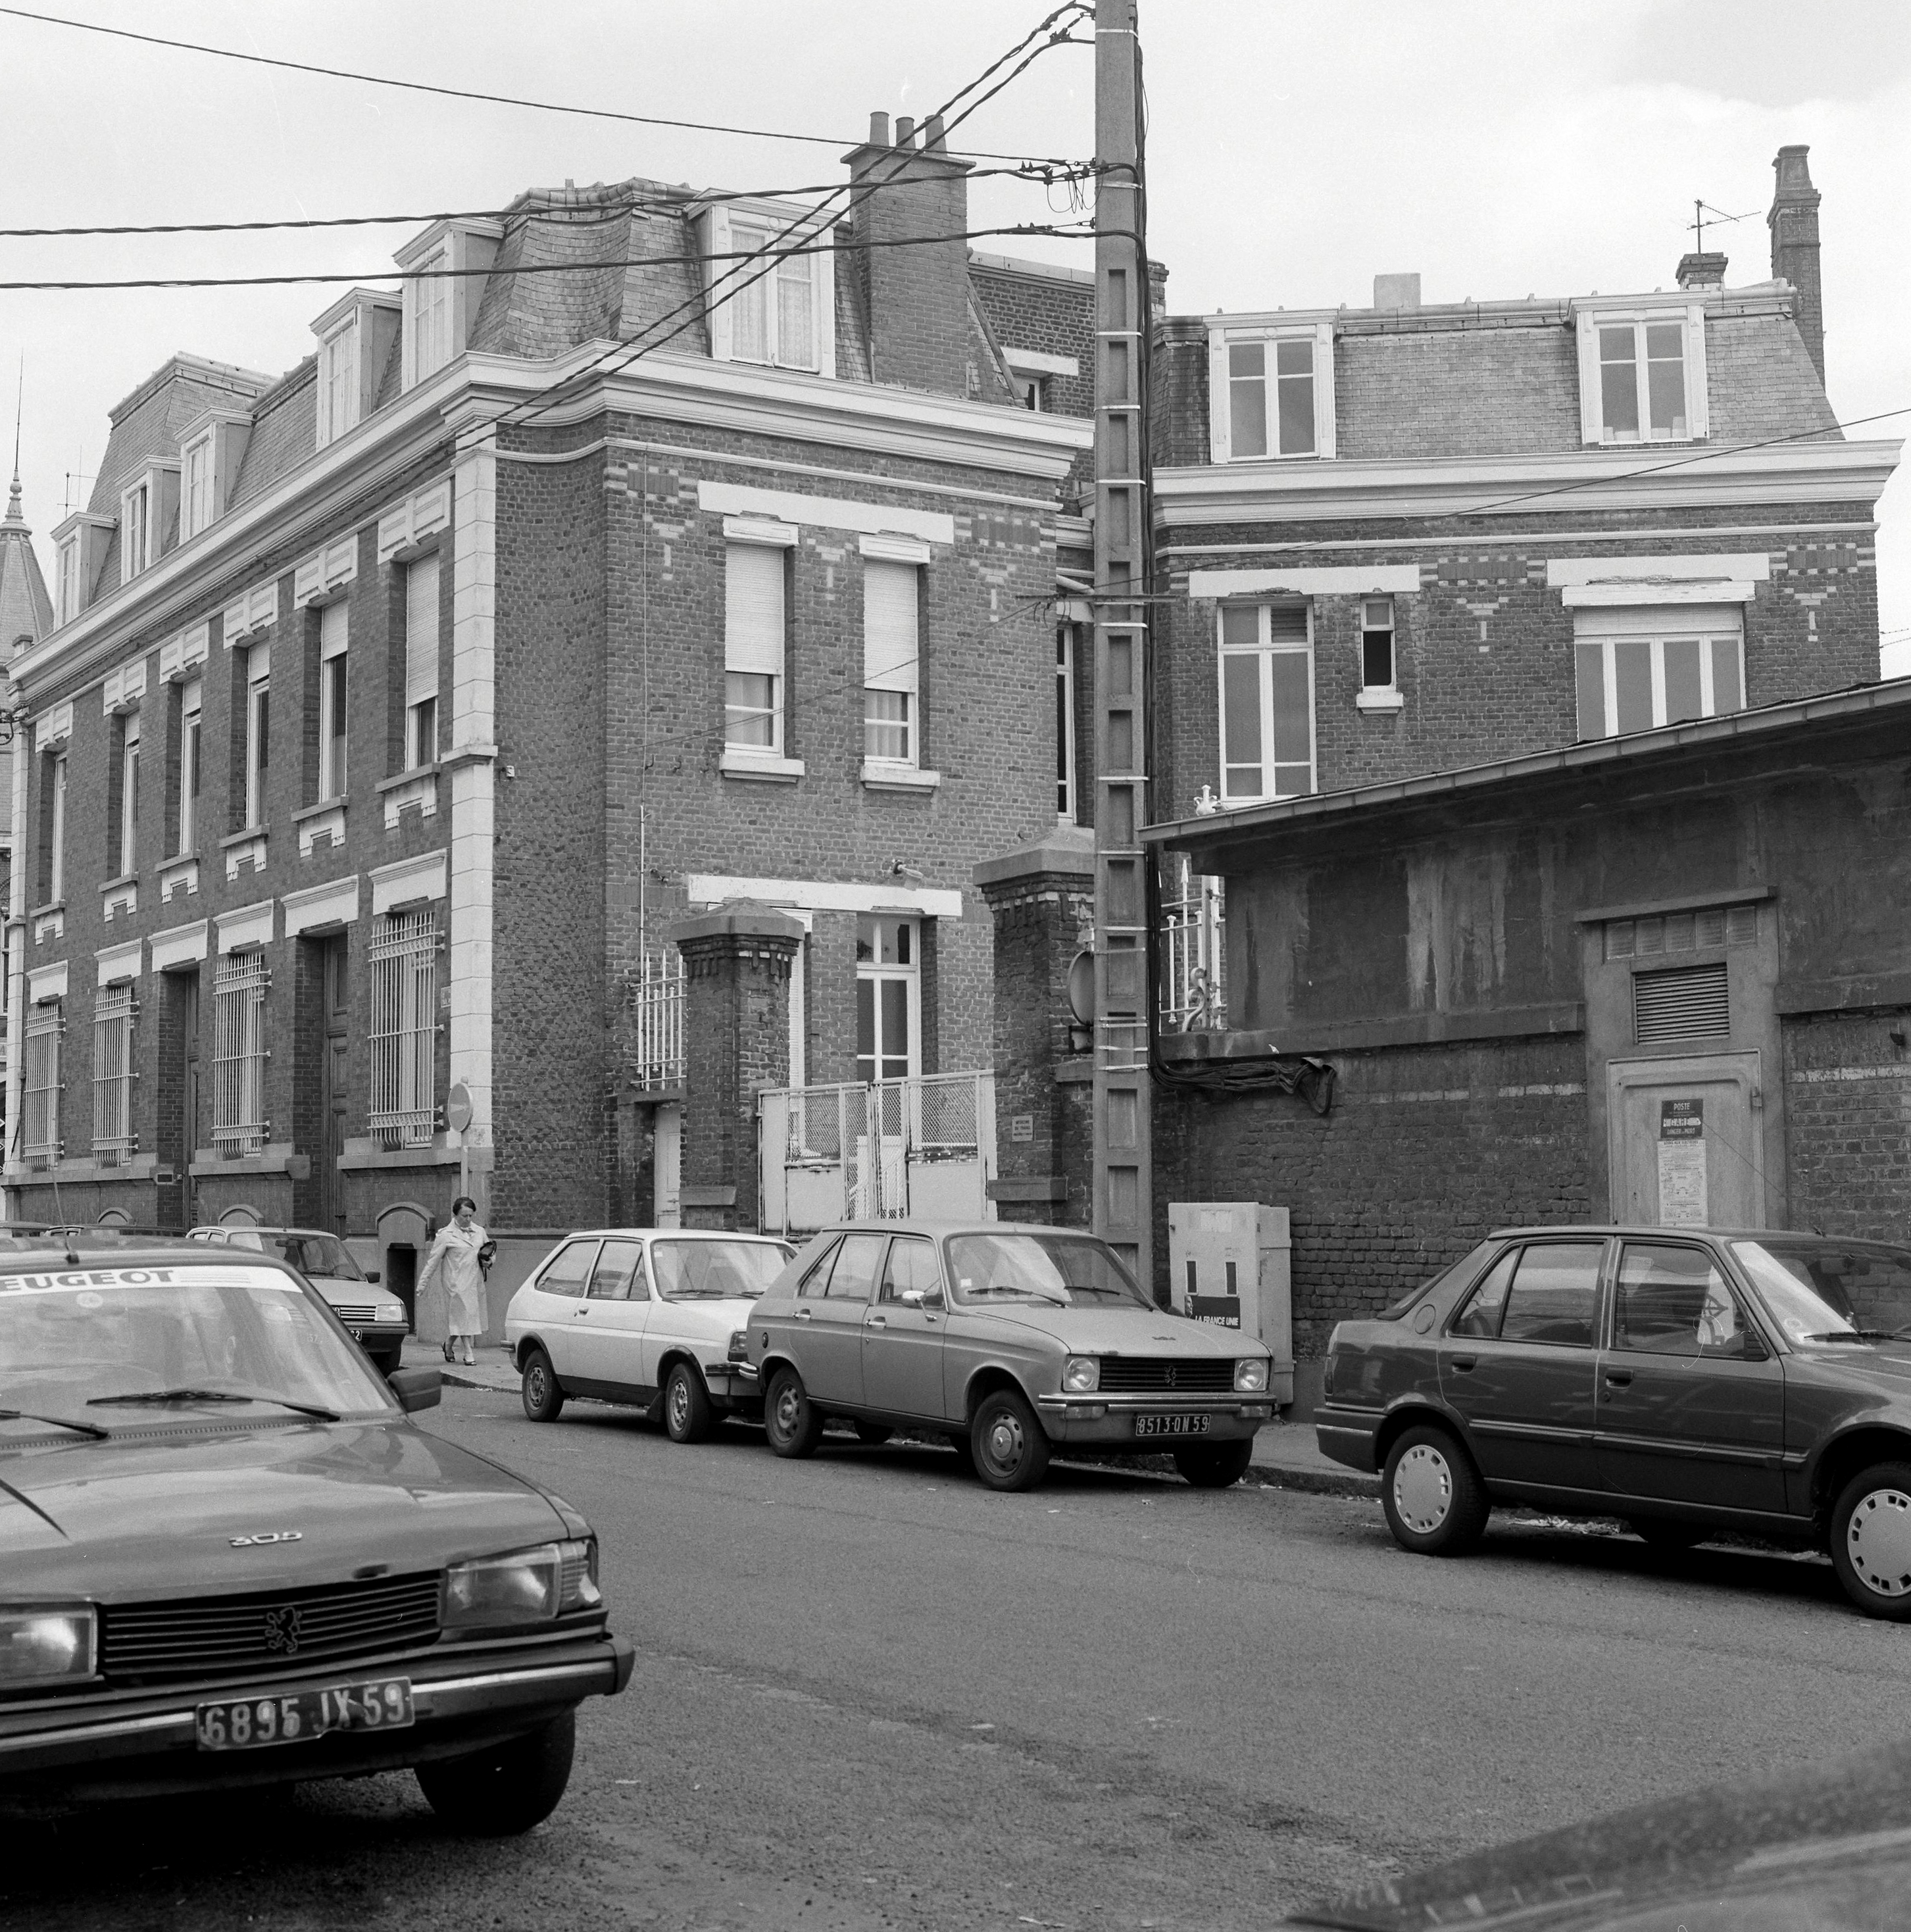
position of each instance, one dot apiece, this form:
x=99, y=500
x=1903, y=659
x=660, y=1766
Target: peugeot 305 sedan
x=653, y=1318
x=1013, y=1341
x=228, y=1557
x=377, y=1321
x=1688, y=1380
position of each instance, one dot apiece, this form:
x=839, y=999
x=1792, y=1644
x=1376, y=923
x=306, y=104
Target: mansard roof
x=26, y=610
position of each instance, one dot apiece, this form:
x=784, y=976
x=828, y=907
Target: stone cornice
x=1345, y=489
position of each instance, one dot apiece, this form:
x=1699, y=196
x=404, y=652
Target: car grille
x=1164, y=1374
x=355, y=1311
x=215, y=1636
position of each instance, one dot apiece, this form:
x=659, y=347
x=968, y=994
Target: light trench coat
x=454, y=1256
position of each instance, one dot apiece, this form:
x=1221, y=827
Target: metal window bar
x=658, y=991
x=239, y=1054
x=1193, y=989
x=404, y=1027
x=113, y=1013
x=46, y=1026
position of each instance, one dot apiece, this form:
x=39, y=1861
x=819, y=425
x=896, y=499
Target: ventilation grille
x=1688, y=1003
x=1682, y=932
x=1287, y=624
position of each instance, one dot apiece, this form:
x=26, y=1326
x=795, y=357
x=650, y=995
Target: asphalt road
x=870, y=1694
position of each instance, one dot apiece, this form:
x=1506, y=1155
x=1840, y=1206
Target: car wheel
x=507, y=1789
x=543, y=1398
x=686, y=1406
x=873, y=1433
x=1011, y=1452
x=789, y=1419
x=1871, y=1540
x=1668, y=1538
x=1435, y=1503
x=1215, y=1465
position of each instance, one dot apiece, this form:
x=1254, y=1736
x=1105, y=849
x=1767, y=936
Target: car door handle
x=1618, y=1377
x=582, y=1311
x=1463, y=1363
x=802, y=1314
x=877, y=1322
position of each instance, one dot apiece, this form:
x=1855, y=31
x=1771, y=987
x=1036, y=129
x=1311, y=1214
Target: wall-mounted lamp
x=10, y=720
x=901, y=870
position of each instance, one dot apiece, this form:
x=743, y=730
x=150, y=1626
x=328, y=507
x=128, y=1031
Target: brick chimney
x=1702, y=272
x=917, y=296
x=1794, y=224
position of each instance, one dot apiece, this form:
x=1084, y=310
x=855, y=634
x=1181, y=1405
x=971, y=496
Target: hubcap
x=1878, y=1541
x=680, y=1401
x=1423, y=1488
x=1003, y=1440
x=787, y=1403
x=536, y=1387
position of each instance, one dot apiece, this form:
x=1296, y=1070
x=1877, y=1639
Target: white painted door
x=1685, y=1146
x=667, y=1161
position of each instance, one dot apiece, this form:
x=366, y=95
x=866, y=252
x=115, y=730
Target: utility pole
x=1123, y=1170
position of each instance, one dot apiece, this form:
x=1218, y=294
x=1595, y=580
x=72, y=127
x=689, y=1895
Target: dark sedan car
x=228, y=1557
x=1689, y=1381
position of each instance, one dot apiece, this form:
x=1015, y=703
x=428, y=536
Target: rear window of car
x=1464, y=1266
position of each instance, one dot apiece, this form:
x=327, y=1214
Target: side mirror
x=911, y=1298
x=371, y=1275
x=416, y=1388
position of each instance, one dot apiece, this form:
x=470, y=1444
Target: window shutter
x=753, y=610
x=1287, y=623
x=334, y=629
x=716, y=241
x=1217, y=397
x=1697, y=415
x=422, y=630
x=889, y=595
x=1592, y=427
x=1689, y=1003
x=1323, y=388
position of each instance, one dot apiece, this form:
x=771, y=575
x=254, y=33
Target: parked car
x=378, y=1323
x=1012, y=1341
x=650, y=1316
x=228, y=1557
x=1689, y=1381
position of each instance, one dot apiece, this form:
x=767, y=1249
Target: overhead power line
x=456, y=93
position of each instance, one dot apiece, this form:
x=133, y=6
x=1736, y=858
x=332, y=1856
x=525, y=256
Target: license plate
x=357, y=1334
x=383, y=1704
x=1171, y=1425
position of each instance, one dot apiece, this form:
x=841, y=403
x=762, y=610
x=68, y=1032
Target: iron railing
x=1193, y=989
x=46, y=1026
x=874, y=1131
x=113, y=1011
x=238, y=1053
x=657, y=996
x=403, y=954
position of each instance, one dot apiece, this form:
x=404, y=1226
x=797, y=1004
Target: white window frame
x=1265, y=648
x=1065, y=801
x=874, y=974
x=1318, y=330
x=741, y=656
x=128, y=828
x=114, y=1010
x=427, y=313
x=403, y=958
x=56, y=840
x=198, y=460
x=258, y=731
x=1390, y=612
x=66, y=578
x=895, y=675
x=239, y=987
x=338, y=378
x=1592, y=316
x=46, y=1028
x=725, y=279
x=335, y=700
x=136, y=523
x=1603, y=630
x=422, y=729
x=192, y=755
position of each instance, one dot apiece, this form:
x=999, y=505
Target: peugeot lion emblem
x=282, y=1629
x=1168, y=1375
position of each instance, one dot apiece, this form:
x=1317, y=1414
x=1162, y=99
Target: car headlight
x=1251, y=1372
x=392, y=1311
x=739, y=1345
x=39, y=1642
x=528, y=1586
x=1081, y=1374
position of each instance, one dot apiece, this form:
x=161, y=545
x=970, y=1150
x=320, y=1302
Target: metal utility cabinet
x=1228, y=1263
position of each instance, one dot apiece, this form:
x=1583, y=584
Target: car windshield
x=112, y=1347
x=715, y=1271
x=1831, y=1291
x=1071, y=1271
x=314, y=1254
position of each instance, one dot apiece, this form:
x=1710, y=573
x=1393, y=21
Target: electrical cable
x=454, y=93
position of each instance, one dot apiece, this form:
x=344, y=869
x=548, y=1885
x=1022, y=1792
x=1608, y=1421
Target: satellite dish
x=1081, y=988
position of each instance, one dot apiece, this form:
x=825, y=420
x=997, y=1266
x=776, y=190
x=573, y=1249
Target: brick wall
x=1848, y=1122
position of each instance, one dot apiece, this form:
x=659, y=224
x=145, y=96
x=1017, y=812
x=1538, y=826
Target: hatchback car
x=1688, y=1380
x=378, y=1322
x=228, y=1557
x=1010, y=1340
x=651, y=1317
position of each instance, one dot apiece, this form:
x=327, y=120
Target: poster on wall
x=1682, y=1201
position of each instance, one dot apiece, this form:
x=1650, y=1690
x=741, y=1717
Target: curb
x=1317, y=1482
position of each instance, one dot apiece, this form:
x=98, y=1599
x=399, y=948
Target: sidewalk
x=1284, y=1454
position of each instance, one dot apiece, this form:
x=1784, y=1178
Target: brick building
x=402, y=713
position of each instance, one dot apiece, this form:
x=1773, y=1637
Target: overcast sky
x=1549, y=147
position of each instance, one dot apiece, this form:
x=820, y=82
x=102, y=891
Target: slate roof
x=26, y=610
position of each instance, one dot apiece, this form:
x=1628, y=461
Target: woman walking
x=455, y=1253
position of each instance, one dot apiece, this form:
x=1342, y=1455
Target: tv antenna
x=1703, y=214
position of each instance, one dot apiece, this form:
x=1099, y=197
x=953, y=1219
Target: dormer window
x=778, y=311
x=210, y=447
x=195, y=509
x=338, y=381
x=135, y=522
x=1642, y=370
x=442, y=292
x=355, y=343
x=1271, y=391
x=66, y=581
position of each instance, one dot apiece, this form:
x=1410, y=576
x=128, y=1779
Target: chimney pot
x=934, y=136
x=1398, y=291
x=879, y=130
x=905, y=131
x=1705, y=270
